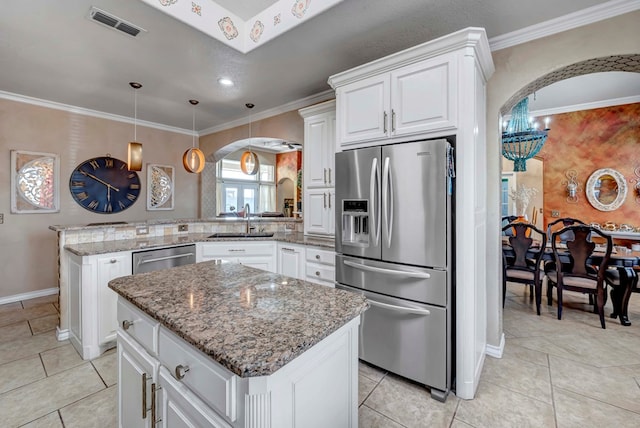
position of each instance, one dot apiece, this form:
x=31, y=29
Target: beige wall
x=28, y=250
x=516, y=67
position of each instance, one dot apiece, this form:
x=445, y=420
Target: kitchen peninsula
x=222, y=344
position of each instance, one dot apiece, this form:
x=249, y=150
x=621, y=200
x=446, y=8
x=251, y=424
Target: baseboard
x=495, y=351
x=62, y=334
x=29, y=295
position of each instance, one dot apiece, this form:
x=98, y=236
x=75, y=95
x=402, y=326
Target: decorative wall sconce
x=134, y=151
x=573, y=186
x=637, y=184
x=193, y=159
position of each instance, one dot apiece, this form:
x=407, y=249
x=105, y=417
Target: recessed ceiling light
x=225, y=82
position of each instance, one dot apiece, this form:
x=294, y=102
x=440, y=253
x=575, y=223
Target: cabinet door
x=316, y=213
x=316, y=135
x=291, y=260
x=362, y=110
x=331, y=212
x=182, y=408
x=136, y=371
x=267, y=263
x=109, y=267
x=423, y=97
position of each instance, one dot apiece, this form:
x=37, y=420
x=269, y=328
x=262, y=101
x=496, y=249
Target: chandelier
x=520, y=140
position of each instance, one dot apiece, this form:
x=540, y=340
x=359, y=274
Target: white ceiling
x=50, y=50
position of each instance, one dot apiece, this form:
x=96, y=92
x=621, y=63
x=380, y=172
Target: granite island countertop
x=250, y=321
x=103, y=247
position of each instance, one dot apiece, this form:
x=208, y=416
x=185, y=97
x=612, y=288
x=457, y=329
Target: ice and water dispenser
x=355, y=222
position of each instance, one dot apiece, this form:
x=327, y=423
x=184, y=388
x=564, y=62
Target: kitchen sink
x=241, y=235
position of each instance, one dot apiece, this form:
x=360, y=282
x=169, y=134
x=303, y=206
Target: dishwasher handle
x=159, y=259
x=404, y=273
x=404, y=309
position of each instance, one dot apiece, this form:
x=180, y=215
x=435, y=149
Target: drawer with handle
x=321, y=274
x=139, y=326
x=321, y=256
x=212, y=383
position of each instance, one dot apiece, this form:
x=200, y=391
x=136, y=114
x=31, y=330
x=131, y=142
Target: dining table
x=627, y=263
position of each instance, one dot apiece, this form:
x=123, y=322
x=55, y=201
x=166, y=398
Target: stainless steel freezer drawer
x=406, y=282
x=406, y=338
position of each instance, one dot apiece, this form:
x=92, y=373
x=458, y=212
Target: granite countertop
x=250, y=321
x=103, y=247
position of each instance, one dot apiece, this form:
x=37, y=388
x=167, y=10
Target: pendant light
x=521, y=140
x=249, y=163
x=134, y=152
x=193, y=158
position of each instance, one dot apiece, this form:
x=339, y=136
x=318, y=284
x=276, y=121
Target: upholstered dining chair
x=561, y=223
x=518, y=264
x=577, y=272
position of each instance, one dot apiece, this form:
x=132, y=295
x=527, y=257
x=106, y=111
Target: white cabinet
x=91, y=303
x=137, y=372
x=319, y=172
x=410, y=100
x=320, y=266
x=291, y=260
x=261, y=255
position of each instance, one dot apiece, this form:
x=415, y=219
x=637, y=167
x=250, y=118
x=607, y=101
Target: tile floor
x=567, y=373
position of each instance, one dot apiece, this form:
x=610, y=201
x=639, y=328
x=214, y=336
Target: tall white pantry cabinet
x=319, y=171
x=433, y=90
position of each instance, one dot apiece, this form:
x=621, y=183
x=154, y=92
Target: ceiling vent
x=114, y=22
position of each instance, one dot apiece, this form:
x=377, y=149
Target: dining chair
x=577, y=271
x=506, y=220
x=521, y=265
x=560, y=224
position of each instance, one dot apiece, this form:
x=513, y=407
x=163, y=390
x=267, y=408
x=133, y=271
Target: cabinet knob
x=113, y=261
x=317, y=256
x=317, y=273
x=181, y=371
x=126, y=324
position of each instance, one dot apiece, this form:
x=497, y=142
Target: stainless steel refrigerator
x=393, y=245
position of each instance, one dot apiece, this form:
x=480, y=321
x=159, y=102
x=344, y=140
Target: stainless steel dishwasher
x=163, y=258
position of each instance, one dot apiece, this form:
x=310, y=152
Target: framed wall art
x=160, y=187
x=35, y=182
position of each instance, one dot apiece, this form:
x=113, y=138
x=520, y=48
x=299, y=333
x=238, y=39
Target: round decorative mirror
x=606, y=189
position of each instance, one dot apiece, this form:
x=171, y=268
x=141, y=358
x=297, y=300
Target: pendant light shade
x=249, y=162
x=520, y=141
x=134, y=151
x=193, y=159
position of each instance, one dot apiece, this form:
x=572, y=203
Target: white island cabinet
x=291, y=361
x=92, y=305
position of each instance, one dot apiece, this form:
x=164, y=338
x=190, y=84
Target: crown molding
x=93, y=113
x=586, y=106
x=564, y=23
x=293, y=105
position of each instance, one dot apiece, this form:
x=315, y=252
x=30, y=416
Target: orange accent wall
x=586, y=141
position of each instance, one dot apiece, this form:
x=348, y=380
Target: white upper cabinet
x=412, y=100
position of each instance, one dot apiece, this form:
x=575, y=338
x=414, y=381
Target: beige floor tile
x=14, y=331
x=40, y=398
x=498, y=407
x=60, y=359
x=370, y=371
x=107, y=367
x=52, y=298
x=365, y=386
x=52, y=420
x=14, y=316
x=609, y=385
x=511, y=350
x=410, y=404
x=20, y=372
x=42, y=324
x=10, y=307
x=28, y=346
x=459, y=424
x=520, y=376
x=574, y=410
x=369, y=418
x=96, y=411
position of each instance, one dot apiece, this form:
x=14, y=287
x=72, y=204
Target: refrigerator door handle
x=414, y=311
x=374, y=191
x=404, y=273
x=387, y=199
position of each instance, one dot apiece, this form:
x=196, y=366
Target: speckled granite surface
x=102, y=247
x=248, y=320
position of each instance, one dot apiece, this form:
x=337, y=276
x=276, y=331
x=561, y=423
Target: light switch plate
x=183, y=228
x=555, y=213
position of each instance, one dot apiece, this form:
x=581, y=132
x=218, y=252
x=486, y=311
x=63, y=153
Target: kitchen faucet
x=247, y=212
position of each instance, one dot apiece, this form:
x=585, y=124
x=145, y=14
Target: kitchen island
x=222, y=344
